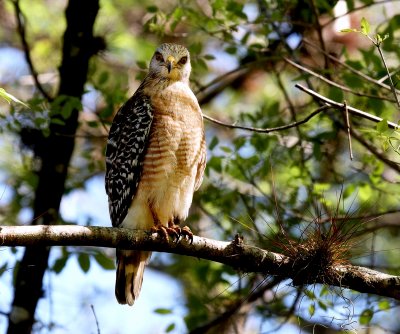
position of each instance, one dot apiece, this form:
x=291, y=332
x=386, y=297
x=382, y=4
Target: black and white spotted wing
x=126, y=147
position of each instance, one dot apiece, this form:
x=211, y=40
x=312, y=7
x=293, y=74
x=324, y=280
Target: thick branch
x=236, y=254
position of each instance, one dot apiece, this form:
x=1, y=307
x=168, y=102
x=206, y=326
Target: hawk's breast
x=176, y=139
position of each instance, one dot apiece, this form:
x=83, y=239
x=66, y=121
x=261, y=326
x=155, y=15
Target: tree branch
x=236, y=254
x=21, y=30
x=335, y=84
x=351, y=110
x=268, y=130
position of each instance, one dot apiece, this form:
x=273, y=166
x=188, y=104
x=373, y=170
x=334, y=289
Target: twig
x=335, y=84
x=346, y=112
x=224, y=316
x=351, y=69
x=21, y=30
x=319, y=30
x=378, y=45
x=268, y=130
x=369, y=4
x=374, y=151
x=6, y=314
x=95, y=318
x=384, y=78
x=352, y=110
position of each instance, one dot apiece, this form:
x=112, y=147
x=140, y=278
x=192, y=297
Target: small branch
x=388, y=73
x=351, y=69
x=6, y=314
x=319, y=29
x=377, y=153
x=236, y=254
x=21, y=30
x=369, y=4
x=335, y=84
x=95, y=318
x=346, y=112
x=352, y=110
x=268, y=130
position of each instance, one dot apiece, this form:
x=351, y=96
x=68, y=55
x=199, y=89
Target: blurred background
x=275, y=189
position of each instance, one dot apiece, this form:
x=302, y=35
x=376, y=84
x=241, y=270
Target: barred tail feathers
x=129, y=278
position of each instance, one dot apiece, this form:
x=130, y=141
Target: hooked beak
x=170, y=63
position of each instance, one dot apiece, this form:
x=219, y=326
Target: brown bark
x=236, y=254
x=53, y=154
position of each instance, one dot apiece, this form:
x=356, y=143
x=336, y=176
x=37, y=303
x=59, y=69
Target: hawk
x=155, y=160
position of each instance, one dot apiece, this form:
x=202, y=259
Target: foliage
x=283, y=185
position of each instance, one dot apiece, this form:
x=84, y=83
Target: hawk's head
x=171, y=61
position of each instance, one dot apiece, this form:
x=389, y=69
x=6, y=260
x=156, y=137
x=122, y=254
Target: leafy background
x=297, y=181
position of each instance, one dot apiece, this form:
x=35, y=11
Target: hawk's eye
x=159, y=57
x=183, y=60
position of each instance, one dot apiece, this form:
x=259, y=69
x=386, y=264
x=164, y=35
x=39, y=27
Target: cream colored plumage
x=155, y=159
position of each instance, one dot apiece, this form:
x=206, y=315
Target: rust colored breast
x=176, y=137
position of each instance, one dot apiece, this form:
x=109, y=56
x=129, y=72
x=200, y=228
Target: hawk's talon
x=166, y=232
x=187, y=233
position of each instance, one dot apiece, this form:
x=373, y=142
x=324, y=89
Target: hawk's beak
x=170, y=63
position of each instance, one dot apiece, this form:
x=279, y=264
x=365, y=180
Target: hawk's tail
x=129, y=278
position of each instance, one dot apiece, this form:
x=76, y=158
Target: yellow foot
x=166, y=232
x=173, y=230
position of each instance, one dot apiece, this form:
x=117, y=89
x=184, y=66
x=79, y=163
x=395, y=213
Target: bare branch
x=95, y=318
x=319, y=29
x=375, y=151
x=21, y=30
x=351, y=69
x=268, y=130
x=335, y=84
x=355, y=9
x=346, y=112
x=236, y=254
x=392, y=86
x=341, y=106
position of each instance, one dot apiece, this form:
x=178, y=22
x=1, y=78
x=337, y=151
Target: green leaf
x=309, y=294
x=170, y=328
x=384, y=305
x=365, y=27
x=311, y=309
x=226, y=149
x=209, y=57
x=349, y=30
x=103, y=78
x=177, y=17
x=59, y=264
x=322, y=305
x=84, y=262
x=214, y=142
x=215, y=163
x=3, y=268
x=324, y=291
x=382, y=126
x=141, y=64
x=162, y=311
x=57, y=121
x=366, y=316
x=104, y=261
x=8, y=97
x=152, y=9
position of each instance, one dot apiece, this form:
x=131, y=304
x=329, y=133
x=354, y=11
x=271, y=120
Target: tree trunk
x=54, y=154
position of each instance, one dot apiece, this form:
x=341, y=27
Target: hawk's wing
x=126, y=147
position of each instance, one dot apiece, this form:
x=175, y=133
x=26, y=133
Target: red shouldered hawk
x=155, y=160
